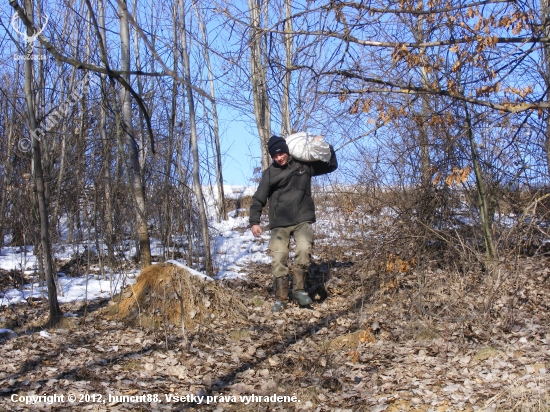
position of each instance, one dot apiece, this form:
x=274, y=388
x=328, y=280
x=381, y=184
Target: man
x=287, y=185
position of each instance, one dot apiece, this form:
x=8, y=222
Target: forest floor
x=422, y=340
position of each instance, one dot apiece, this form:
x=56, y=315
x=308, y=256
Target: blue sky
x=240, y=151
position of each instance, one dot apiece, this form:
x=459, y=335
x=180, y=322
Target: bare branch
x=509, y=107
x=365, y=8
x=94, y=68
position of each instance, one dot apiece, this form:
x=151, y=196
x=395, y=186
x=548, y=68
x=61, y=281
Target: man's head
x=278, y=150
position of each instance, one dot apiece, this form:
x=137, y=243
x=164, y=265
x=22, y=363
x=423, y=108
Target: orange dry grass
x=163, y=292
x=396, y=264
x=352, y=340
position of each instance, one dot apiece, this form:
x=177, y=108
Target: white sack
x=305, y=147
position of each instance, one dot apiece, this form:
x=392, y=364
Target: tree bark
x=106, y=146
x=166, y=230
x=418, y=30
x=142, y=130
x=545, y=18
x=222, y=212
x=195, y=147
x=132, y=159
x=55, y=310
x=8, y=162
x=258, y=77
x=286, y=128
x=486, y=220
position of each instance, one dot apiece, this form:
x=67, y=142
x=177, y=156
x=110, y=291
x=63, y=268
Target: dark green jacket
x=288, y=189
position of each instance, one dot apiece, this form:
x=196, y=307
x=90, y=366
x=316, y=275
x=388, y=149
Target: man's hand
x=256, y=230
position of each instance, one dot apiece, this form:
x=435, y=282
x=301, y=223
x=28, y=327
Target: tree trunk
x=422, y=122
x=132, y=160
x=8, y=162
x=545, y=18
x=81, y=150
x=195, y=147
x=486, y=220
x=142, y=129
x=106, y=149
x=166, y=220
x=55, y=310
x=258, y=73
x=222, y=212
x=285, y=109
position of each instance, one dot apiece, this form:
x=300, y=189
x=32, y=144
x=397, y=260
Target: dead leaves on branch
x=474, y=41
x=416, y=59
x=519, y=92
x=456, y=177
x=473, y=20
x=385, y=113
x=441, y=119
x=517, y=21
x=488, y=90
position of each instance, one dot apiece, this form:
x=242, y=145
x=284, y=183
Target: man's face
x=281, y=158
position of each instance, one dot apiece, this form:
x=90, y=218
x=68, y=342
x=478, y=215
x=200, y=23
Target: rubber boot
x=299, y=279
x=281, y=293
x=279, y=304
x=298, y=285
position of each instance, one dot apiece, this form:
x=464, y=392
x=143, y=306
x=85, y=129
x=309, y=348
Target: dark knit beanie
x=276, y=145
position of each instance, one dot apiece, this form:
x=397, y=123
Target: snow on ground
x=71, y=289
x=233, y=247
x=17, y=258
x=191, y=271
x=235, y=192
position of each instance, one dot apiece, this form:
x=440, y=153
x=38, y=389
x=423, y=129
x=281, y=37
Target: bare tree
x=166, y=210
x=545, y=28
x=285, y=109
x=133, y=165
x=194, y=146
x=55, y=310
x=142, y=128
x=486, y=219
x=258, y=77
x=222, y=212
x=108, y=215
x=9, y=145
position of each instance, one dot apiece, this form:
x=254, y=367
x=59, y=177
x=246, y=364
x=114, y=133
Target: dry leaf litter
x=420, y=340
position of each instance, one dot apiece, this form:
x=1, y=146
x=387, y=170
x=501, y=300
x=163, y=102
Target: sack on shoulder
x=308, y=148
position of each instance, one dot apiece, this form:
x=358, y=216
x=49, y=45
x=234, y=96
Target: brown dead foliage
x=11, y=279
x=352, y=340
x=240, y=205
x=396, y=264
x=397, y=324
x=163, y=291
x=427, y=346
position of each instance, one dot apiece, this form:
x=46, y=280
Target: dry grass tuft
x=163, y=292
x=526, y=394
x=396, y=264
x=352, y=340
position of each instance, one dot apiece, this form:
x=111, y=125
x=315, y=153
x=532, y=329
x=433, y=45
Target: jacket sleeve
x=259, y=199
x=322, y=168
